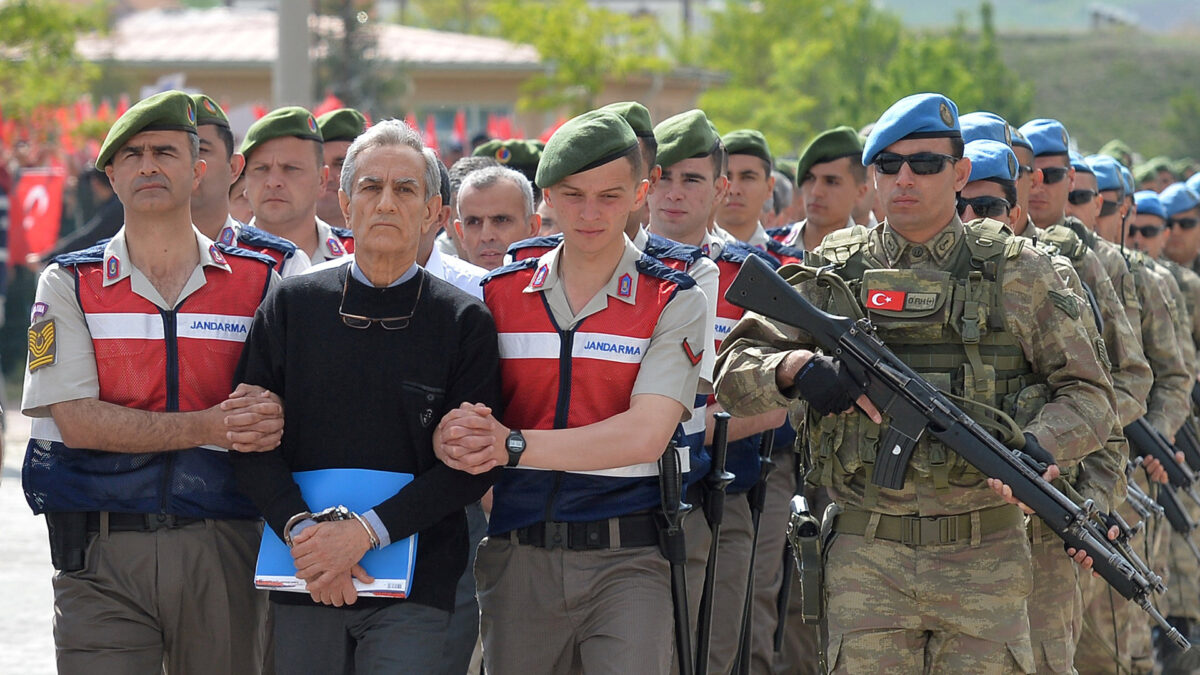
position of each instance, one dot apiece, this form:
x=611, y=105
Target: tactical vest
x=947, y=325
x=553, y=378
x=1061, y=240
x=179, y=360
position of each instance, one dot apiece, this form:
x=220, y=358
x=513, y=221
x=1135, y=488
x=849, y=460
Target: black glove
x=1037, y=452
x=827, y=386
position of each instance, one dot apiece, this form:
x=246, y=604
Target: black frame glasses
x=921, y=163
x=388, y=323
x=1108, y=208
x=1183, y=223
x=1054, y=174
x=1081, y=197
x=1146, y=231
x=984, y=207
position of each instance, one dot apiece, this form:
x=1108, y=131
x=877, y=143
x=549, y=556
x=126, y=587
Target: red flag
x=882, y=299
x=460, y=127
x=122, y=104
x=259, y=111
x=36, y=210
x=411, y=120
x=330, y=104
x=104, y=112
x=431, y=139
x=545, y=137
x=493, y=127
x=504, y=127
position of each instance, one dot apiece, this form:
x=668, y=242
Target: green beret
x=636, y=114
x=1160, y=163
x=166, y=111
x=290, y=121
x=208, y=112
x=343, y=124
x=685, y=136
x=585, y=142
x=829, y=145
x=787, y=167
x=748, y=142
x=1117, y=149
x=1144, y=172
x=516, y=153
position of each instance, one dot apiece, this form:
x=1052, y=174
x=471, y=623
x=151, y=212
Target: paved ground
x=26, y=643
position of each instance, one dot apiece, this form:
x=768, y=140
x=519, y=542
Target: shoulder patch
x=511, y=268
x=342, y=232
x=245, y=253
x=665, y=249
x=43, y=350
x=256, y=237
x=1066, y=301
x=774, y=246
x=737, y=252
x=92, y=254
x=650, y=266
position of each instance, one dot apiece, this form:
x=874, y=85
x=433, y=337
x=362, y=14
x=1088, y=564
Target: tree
x=582, y=46
x=41, y=68
x=348, y=67
x=1183, y=122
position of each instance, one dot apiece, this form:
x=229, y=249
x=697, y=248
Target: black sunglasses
x=1053, y=174
x=1081, y=197
x=1024, y=170
x=921, y=163
x=1108, y=208
x=1183, y=223
x=984, y=207
x=389, y=322
x=1145, y=231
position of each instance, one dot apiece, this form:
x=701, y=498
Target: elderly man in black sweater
x=367, y=358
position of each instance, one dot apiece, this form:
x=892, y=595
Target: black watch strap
x=515, y=445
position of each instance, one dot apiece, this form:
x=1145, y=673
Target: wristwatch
x=515, y=444
x=333, y=514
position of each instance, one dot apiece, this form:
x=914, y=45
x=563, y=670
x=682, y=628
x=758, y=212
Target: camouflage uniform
x=957, y=605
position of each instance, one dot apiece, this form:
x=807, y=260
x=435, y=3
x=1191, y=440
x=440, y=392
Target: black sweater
x=370, y=399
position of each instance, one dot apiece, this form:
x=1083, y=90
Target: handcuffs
x=329, y=515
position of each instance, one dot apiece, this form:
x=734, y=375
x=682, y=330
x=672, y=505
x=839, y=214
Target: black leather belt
x=624, y=532
x=138, y=522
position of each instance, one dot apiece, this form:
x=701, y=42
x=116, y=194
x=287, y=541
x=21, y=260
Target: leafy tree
x=1183, y=122
x=583, y=47
x=348, y=68
x=41, y=68
x=459, y=16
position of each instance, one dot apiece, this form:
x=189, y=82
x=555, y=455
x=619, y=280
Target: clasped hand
x=470, y=439
x=252, y=418
x=327, y=558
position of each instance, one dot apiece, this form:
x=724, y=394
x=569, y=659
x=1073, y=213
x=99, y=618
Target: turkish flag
x=460, y=127
x=36, y=212
x=430, y=135
x=891, y=300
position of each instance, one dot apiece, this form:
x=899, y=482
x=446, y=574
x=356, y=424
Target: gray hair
x=489, y=176
x=783, y=194
x=389, y=133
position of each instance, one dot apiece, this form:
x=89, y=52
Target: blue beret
x=1018, y=138
x=1079, y=163
x=1108, y=172
x=991, y=160
x=916, y=116
x=1177, y=198
x=1147, y=202
x=1048, y=137
x=980, y=125
x=1194, y=183
x=1126, y=181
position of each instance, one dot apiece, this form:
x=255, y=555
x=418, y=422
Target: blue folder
x=359, y=490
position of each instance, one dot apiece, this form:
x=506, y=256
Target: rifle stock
x=909, y=400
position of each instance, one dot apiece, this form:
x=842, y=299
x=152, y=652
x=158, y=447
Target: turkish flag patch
x=891, y=300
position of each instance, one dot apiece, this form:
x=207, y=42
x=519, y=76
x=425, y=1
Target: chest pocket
x=908, y=306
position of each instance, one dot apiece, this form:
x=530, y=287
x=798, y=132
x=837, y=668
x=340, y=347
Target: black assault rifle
x=915, y=406
x=1146, y=441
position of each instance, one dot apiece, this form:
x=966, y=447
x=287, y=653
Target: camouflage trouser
x=953, y=608
x=1183, y=595
x=1116, y=632
x=1055, y=606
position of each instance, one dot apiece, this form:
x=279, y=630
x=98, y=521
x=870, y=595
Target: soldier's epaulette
x=840, y=245
x=737, y=252
x=662, y=248
x=548, y=242
x=778, y=248
x=91, y=254
x=779, y=233
x=245, y=253
x=342, y=232
x=253, y=236
x=528, y=263
x=654, y=268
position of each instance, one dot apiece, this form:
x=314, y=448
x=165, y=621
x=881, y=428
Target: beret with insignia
x=636, y=114
x=747, y=142
x=1148, y=202
x=1177, y=198
x=585, y=142
x=208, y=112
x=1079, y=163
x=828, y=146
x=1107, y=171
x=979, y=125
x=343, y=124
x=1018, y=138
x=991, y=160
x=515, y=153
x=165, y=111
x=917, y=116
x=280, y=122
x=1047, y=136
x=685, y=136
